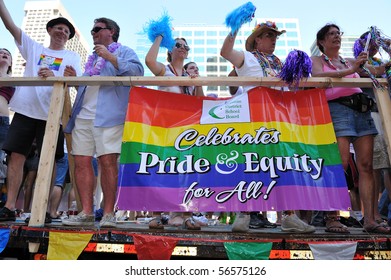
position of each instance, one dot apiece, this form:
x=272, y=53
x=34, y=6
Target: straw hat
x=258, y=30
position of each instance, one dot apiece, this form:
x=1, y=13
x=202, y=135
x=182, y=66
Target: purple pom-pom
x=240, y=16
x=297, y=65
x=358, y=46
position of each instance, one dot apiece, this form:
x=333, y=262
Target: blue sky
x=354, y=17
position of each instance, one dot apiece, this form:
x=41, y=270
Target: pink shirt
x=336, y=92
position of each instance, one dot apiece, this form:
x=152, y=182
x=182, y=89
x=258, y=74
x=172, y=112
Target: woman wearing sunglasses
x=175, y=67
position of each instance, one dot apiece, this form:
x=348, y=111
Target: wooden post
x=46, y=161
x=68, y=140
x=384, y=105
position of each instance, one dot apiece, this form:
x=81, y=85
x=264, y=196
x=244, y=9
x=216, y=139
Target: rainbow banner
x=264, y=150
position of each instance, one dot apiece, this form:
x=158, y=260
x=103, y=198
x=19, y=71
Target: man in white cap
x=259, y=61
x=31, y=104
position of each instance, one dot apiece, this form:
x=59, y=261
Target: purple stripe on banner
x=330, y=176
x=278, y=199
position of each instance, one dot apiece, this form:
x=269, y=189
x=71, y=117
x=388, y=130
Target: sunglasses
x=96, y=29
x=179, y=45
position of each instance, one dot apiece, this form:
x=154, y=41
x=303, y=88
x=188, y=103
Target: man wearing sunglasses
x=31, y=104
x=97, y=122
x=259, y=61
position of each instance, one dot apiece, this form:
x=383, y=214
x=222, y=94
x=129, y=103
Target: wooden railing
x=60, y=110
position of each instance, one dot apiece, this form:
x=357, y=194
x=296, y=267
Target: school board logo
x=234, y=110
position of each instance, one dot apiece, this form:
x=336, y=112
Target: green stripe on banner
x=4, y=237
x=248, y=250
x=211, y=153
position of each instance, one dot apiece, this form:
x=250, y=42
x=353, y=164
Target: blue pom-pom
x=297, y=65
x=240, y=16
x=161, y=26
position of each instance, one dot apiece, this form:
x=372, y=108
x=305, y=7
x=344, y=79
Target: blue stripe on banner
x=331, y=176
x=4, y=237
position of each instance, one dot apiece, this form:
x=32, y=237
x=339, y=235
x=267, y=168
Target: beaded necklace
x=328, y=60
x=271, y=65
x=184, y=89
x=346, y=63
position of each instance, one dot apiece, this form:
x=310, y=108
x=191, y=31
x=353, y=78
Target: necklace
x=96, y=63
x=174, y=71
x=328, y=60
x=184, y=89
x=271, y=65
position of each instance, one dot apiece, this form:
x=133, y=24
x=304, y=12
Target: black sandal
x=333, y=225
x=158, y=222
x=48, y=219
x=191, y=224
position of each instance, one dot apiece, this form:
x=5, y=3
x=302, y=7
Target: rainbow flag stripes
x=263, y=150
x=53, y=63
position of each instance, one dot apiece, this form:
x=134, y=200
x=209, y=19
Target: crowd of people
x=98, y=114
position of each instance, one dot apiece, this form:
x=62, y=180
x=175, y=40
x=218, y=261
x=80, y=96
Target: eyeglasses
x=96, y=29
x=179, y=45
x=4, y=53
x=333, y=33
x=271, y=35
x=60, y=28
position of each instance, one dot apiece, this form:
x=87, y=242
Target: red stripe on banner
x=288, y=104
x=143, y=101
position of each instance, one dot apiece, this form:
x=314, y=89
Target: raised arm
x=15, y=31
x=228, y=52
x=156, y=67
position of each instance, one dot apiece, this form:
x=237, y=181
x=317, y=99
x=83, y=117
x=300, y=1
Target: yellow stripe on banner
x=377, y=255
x=152, y=135
x=67, y=246
x=301, y=255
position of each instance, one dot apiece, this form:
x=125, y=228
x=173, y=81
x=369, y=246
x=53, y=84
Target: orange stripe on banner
x=280, y=255
x=91, y=247
x=40, y=257
x=143, y=101
x=358, y=256
x=293, y=104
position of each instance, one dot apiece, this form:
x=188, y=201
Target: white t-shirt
x=88, y=110
x=252, y=68
x=34, y=101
